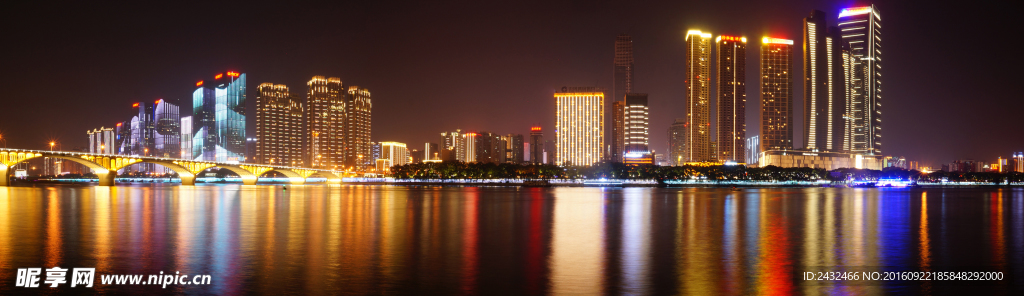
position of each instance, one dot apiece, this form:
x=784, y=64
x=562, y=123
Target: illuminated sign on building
x=218, y=76
x=854, y=11
x=731, y=38
x=770, y=40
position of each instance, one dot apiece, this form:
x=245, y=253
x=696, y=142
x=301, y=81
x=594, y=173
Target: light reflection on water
x=502, y=240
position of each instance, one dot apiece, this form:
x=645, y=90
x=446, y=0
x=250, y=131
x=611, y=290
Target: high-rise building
x=579, y=126
x=218, y=118
x=186, y=137
x=1018, y=162
x=536, y=145
x=468, y=144
x=101, y=140
x=636, y=126
x=753, y=150
x=430, y=152
x=861, y=29
x=490, y=148
x=732, y=98
x=776, y=94
x=452, y=147
x=166, y=130
x=698, y=107
x=618, y=127
x=357, y=134
x=325, y=119
x=279, y=126
x=677, y=142
x=824, y=85
x=513, y=148
x=623, y=84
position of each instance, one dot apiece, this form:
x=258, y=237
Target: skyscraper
x=579, y=126
x=824, y=86
x=469, y=146
x=186, y=137
x=776, y=94
x=536, y=145
x=732, y=98
x=452, y=147
x=278, y=126
x=166, y=121
x=861, y=29
x=677, y=142
x=618, y=146
x=623, y=84
x=218, y=118
x=698, y=83
x=325, y=131
x=513, y=148
x=357, y=134
x=637, y=149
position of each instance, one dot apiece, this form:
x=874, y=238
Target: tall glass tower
x=732, y=97
x=218, y=118
x=861, y=29
x=698, y=89
x=776, y=94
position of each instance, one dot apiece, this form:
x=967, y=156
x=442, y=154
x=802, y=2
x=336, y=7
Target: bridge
x=105, y=166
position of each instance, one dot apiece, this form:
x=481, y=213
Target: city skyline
x=924, y=135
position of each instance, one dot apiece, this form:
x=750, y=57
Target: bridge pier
x=187, y=180
x=247, y=180
x=297, y=180
x=6, y=180
x=107, y=178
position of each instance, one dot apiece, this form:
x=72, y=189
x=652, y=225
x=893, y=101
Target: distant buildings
x=820, y=160
x=469, y=143
x=186, y=137
x=218, y=118
x=698, y=83
x=776, y=94
x=732, y=98
x=358, y=129
x=1018, y=162
x=452, y=146
x=279, y=128
x=753, y=146
x=861, y=29
x=391, y=154
x=431, y=152
x=579, y=127
x=677, y=142
x=325, y=119
x=514, y=148
x=536, y=145
x=618, y=131
x=101, y=140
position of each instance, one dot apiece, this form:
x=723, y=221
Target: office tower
x=753, y=150
x=636, y=124
x=579, y=126
x=357, y=134
x=122, y=137
x=536, y=145
x=279, y=129
x=218, y=118
x=325, y=130
x=1018, y=162
x=732, y=98
x=452, y=147
x=677, y=142
x=513, y=148
x=186, y=137
x=623, y=84
x=824, y=85
x=698, y=83
x=101, y=140
x=430, y=152
x=140, y=138
x=490, y=148
x=166, y=121
x=618, y=136
x=776, y=94
x=861, y=29
x=468, y=147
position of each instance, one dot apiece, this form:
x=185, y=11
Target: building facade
x=732, y=98
x=101, y=140
x=677, y=142
x=698, y=104
x=776, y=94
x=753, y=150
x=820, y=160
x=218, y=118
x=861, y=29
x=536, y=145
x=452, y=147
x=824, y=85
x=394, y=153
x=514, y=148
x=618, y=133
x=622, y=84
x=358, y=127
x=325, y=118
x=579, y=126
x=166, y=130
x=186, y=137
x=279, y=128
x=636, y=129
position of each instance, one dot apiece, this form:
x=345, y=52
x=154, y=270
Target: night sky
x=952, y=78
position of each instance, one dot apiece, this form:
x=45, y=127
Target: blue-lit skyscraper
x=218, y=118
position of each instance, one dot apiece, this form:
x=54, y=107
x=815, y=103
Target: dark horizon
x=486, y=67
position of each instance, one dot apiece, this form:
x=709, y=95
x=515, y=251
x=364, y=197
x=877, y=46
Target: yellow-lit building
x=395, y=152
x=357, y=133
x=820, y=160
x=732, y=98
x=278, y=126
x=776, y=94
x=579, y=126
x=698, y=101
x=325, y=119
